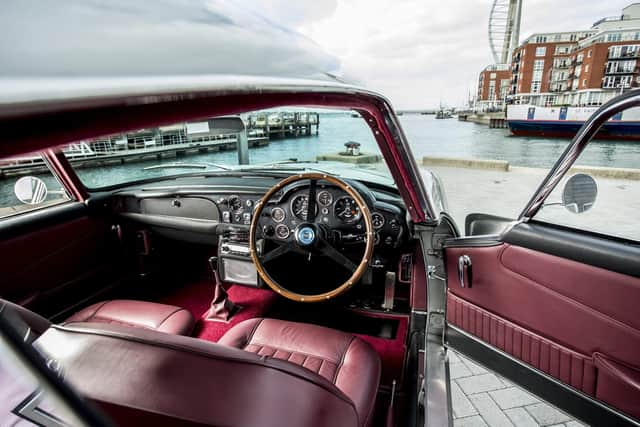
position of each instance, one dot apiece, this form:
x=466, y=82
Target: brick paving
x=482, y=398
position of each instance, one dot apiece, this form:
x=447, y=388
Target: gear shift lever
x=222, y=308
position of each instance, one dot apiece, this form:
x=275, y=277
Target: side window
x=27, y=184
x=601, y=193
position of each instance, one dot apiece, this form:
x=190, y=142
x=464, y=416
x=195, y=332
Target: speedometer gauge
x=300, y=207
x=346, y=210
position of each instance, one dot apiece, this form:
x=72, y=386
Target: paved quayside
x=482, y=398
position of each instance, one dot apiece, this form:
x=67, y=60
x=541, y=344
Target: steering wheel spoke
x=338, y=257
x=277, y=252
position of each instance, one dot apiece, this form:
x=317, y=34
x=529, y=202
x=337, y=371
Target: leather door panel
x=552, y=313
x=53, y=264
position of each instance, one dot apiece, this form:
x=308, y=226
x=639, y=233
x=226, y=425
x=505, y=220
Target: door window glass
x=27, y=184
x=609, y=203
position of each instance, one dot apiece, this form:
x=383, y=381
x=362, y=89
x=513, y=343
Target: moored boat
x=564, y=122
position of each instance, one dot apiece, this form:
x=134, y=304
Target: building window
x=492, y=75
x=541, y=51
x=535, y=87
x=614, y=37
x=573, y=37
x=541, y=39
x=538, y=65
x=589, y=54
x=616, y=82
x=586, y=68
x=584, y=82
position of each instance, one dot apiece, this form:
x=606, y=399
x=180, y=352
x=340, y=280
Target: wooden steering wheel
x=310, y=236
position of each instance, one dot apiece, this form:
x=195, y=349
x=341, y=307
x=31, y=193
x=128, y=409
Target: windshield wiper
x=187, y=166
x=283, y=165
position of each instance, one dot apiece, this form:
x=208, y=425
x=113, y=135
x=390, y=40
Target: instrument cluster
x=334, y=209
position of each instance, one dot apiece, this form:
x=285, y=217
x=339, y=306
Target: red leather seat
x=182, y=381
x=139, y=314
x=342, y=359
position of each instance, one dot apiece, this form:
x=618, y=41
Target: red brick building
x=576, y=67
x=493, y=86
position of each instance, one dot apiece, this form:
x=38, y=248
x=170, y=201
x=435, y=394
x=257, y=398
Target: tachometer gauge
x=300, y=207
x=346, y=210
x=378, y=220
x=325, y=198
x=282, y=231
x=277, y=214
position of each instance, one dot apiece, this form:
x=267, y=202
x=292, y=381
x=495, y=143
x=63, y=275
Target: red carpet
x=391, y=352
x=196, y=298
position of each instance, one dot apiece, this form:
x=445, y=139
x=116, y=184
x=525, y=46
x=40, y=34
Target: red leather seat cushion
x=341, y=358
x=139, y=314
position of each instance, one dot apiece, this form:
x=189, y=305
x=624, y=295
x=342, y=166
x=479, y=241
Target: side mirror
x=579, y=193
x=30, y=190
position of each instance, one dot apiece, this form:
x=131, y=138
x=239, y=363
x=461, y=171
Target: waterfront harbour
x=428, y=138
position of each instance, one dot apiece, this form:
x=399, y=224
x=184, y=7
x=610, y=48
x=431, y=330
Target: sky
x=420, y=53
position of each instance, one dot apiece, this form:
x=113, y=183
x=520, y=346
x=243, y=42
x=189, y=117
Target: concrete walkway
x=482, y=398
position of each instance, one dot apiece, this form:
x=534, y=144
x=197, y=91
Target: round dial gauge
x=235, y=204
x=325, y=198
x=282, y=231
x=278, y=214
x=346, y=210
x=378, y=220
x=300, y=207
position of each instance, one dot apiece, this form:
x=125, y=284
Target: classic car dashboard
x=200, y=211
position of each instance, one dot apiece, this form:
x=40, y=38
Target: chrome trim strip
x=576, y=147
x=537, y=382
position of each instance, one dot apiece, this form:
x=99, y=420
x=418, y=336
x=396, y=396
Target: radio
x=234, y=262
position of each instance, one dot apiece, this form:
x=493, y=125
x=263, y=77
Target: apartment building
x=586, y=67
x=493, y=86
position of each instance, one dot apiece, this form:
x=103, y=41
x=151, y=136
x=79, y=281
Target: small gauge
x=235, y=204
x=378, y=220
x=248, y=203
x=346, y=210
x=278, y=214
x=282, y=231
x=325, y=198
x=300, y=207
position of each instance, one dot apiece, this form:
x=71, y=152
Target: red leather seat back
x=144, y=376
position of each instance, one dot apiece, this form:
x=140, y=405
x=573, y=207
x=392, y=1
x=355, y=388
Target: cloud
x=416, y=52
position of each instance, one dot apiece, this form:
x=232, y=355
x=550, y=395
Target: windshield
x=331, y=141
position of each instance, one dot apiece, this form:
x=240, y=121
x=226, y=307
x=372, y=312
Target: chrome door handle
x=464, y=269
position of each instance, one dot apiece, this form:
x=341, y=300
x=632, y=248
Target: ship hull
x=566, y=129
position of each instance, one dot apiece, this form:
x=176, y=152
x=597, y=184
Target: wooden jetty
x=285, y=124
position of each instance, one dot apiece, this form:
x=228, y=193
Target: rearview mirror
x=579, y=193
x=30, y=190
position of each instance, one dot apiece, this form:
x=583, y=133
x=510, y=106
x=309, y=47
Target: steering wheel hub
x=306, y=235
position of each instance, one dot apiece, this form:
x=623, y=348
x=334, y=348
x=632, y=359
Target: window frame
x=69, y=197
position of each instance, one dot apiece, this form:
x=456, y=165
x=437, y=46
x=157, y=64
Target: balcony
x=562, y=65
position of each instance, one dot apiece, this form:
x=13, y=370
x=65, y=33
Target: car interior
x=140, y=280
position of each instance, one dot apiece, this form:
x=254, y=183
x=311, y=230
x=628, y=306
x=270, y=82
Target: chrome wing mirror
x=30, y=190
x=579, y=193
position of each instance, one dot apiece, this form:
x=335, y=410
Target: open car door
x=552, y=308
